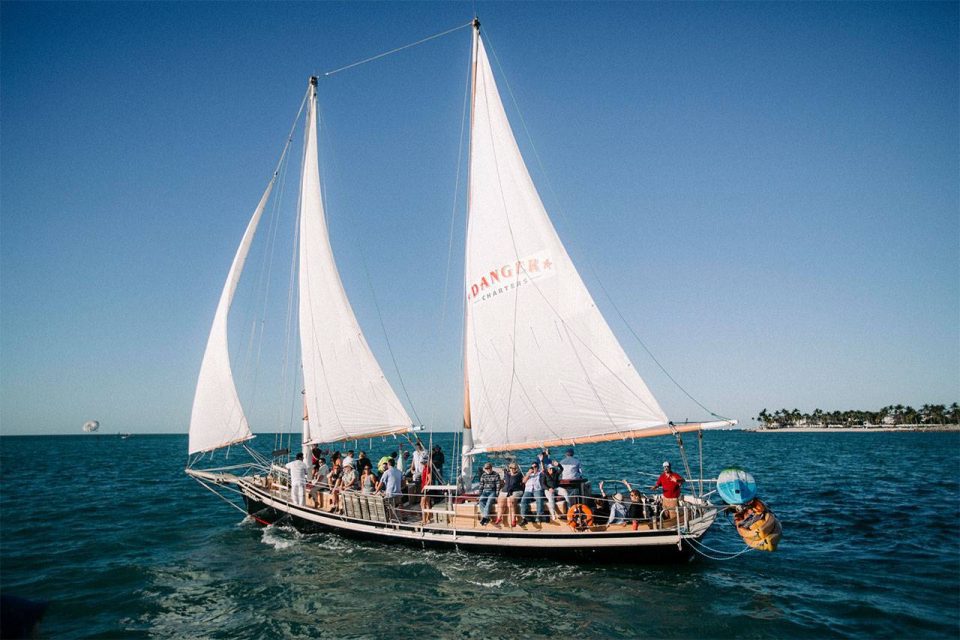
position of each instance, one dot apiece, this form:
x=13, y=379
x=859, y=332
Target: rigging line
x=453, y=213
x=593, y=271
x=398, y=49
x=386, y=338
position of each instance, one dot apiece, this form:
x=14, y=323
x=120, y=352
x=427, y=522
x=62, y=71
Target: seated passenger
x=551, y=482
x=509, y=495
x=637, y=507
x=618, y=510
x=490, y=484
x=532, y=491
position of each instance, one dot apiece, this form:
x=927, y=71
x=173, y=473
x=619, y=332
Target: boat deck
x=458, y=513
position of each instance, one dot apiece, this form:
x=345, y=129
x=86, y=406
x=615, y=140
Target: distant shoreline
x=911, y=428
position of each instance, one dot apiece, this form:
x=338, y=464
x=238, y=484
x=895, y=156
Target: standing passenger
x=368, y=482
x=572, y=477
x=390, y=483
x=426, y=478
x=671, y=483
x=438, y=460
x=298, y=480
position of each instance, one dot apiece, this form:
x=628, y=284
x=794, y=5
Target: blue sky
x=769, y=191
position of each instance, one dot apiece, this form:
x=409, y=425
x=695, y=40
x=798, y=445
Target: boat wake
x=281, y=537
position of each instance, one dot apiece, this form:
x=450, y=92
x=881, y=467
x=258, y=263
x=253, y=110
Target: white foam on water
x=279, y=538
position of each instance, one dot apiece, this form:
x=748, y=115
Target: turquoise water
x=123, y=544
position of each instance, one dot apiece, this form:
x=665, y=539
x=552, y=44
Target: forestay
x=347, y=395
x=542, y=365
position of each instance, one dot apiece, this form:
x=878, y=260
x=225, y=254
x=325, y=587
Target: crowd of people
x=336, y=472
x=542, y=494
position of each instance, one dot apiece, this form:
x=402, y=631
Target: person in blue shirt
x=390, y=482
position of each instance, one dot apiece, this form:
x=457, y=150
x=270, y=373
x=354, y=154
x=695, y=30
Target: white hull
x=622, y=544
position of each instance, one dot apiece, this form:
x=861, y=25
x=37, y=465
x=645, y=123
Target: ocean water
x=123, y=545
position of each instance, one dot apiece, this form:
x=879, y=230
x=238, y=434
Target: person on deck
x=362, y=462
x=420, y=457
x=390, y=482
x=636, y=510
x=368, y=481
x=671, y=483
x=571, y=467
x=490, y=483
x=318, y=480
x=543, y=459
x=438, y=461
x=426, y=478
x=321, y=471
x=348, y=480
x=551, y=483
x=348, y=459
x=532, y=491
x=618, y=510
x=298, y=480
x=571, y=477
x=509, y=495
x=333, y=481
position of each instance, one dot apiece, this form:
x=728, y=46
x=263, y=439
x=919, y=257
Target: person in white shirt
x=348, y=459
x=298, y=479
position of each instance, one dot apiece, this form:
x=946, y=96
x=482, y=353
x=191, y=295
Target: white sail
x=217, y=419
x=347, y=395
x=542, y=365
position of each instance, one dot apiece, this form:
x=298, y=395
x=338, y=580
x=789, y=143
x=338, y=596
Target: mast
x=347, y=396
x=466, y=459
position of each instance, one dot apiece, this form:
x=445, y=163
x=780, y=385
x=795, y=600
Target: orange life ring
x=580, y=517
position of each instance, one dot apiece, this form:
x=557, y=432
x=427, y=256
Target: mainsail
x=346, y=393
x=542, y=365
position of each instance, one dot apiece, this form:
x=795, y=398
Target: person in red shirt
x=671, y=483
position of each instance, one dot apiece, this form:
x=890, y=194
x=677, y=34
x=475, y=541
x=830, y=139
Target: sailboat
x=542, y=368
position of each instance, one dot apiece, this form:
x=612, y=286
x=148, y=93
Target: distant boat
x=124, y=436
x=90, y=426
x=542, y=369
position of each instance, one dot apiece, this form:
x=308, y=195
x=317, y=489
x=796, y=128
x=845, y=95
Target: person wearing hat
x=344, y=483
x=298, y=479
x=490, y=483
x=671, y=483
x=618, y=510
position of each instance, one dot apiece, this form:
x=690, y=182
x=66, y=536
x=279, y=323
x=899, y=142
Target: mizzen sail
x=346, y=393
x=542, y=364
